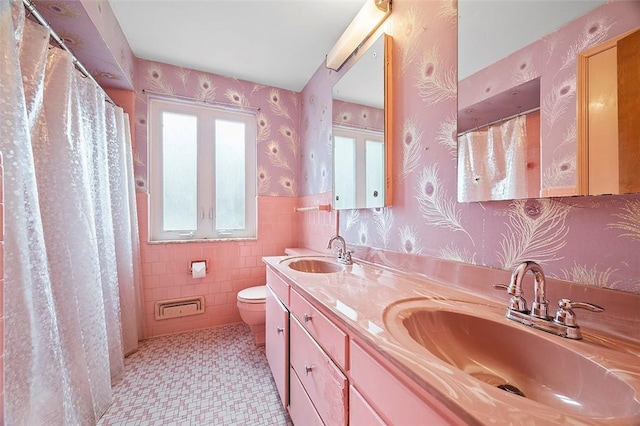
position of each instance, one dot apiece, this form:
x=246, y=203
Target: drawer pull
x=280, y=330
x=307, y=369
x=307, y=317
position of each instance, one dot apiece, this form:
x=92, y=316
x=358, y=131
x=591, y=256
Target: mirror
x=361, y=132
x=522, y=74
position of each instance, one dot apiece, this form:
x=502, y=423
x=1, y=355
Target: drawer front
x=301, y=408
x=328, y=335
x=279, y=287
x=395, y=403
x=323, y=381
x=277, y=344
x=360, y=412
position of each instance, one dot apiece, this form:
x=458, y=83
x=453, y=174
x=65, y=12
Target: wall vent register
x=175, y=308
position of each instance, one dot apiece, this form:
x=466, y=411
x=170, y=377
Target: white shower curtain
x=492, y=163
x=70, y=253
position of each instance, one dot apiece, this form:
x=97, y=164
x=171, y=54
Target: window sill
x=206, y=240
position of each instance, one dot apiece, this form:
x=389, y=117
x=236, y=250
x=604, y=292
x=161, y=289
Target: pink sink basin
x=561, y=374
x=315, y=266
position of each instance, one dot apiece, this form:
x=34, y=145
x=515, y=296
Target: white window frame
x=206, y=116
x=358, y=174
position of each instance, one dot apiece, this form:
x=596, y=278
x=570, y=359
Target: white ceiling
x=279, y=43
x=489, y=30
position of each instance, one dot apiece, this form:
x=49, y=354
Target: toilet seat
x=255, y=294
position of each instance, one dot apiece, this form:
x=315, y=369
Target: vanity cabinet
x=318, y=356
x=322, y=381
x=301, y=409
x=277, y=343
x=384, y=393
x=331, y=338
x=325, y=376
x=360, y=412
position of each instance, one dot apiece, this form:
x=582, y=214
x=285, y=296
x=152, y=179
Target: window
x=358, y=168
x=202, y=172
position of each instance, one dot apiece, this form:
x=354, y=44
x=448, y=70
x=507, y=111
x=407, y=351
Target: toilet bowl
x=251, y=304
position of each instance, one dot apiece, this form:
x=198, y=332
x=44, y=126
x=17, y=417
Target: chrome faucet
x=540, y=305
x=563, y=324
x=344, y=256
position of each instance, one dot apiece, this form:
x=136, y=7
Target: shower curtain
x=492, y=163
x=70, y=251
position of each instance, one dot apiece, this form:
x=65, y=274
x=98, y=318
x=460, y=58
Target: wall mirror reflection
x=361, y=142
x=517, y=95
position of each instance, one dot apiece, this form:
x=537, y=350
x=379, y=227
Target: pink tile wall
x=316, y=227
x=233, y=266
x=1, y=291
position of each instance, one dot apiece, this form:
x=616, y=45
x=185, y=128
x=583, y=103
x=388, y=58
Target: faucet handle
x=516, y=303
x=565, y=314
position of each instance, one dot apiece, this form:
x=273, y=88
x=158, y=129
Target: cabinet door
x=324, y=332
x=360, y=412
x=325, y=384
x=279, y=287
x=393, y=401
x=628, y=106
x=301, y=408
x=277, y=344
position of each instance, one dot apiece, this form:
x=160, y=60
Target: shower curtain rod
x=500, y=120
x=28, y=4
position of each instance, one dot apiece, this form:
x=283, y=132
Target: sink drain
x=511, y=389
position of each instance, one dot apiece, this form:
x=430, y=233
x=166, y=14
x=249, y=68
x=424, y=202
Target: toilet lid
x=255, y=294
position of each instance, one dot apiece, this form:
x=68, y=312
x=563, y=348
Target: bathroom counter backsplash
x=360, y=296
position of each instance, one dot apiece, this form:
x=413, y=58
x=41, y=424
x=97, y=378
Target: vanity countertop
x=362, y=296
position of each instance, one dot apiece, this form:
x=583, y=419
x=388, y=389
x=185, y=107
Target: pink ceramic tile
x=1, y=272
x=173, y=292
x=213, y=287
x=158, y=294
x=158, y=268
x=187, y=290
x=146, y=268
x=177, y=267
x=1, y=291
x=233, y=265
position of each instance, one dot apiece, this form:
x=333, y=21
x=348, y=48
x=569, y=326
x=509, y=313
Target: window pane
x=230, y=174
x=344, y=171
x=180, y=171
x=374, y=153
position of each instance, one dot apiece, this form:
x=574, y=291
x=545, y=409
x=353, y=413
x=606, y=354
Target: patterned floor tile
x=206, y=377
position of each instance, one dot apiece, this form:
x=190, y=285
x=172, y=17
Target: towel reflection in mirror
x=493, y=162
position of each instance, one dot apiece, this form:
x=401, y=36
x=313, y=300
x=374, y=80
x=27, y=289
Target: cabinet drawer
x=395, y=402
x=323, y=381
x=328, y=335
x=279, y=287
x=360, y=412
x=301, y=408
x=277, y=344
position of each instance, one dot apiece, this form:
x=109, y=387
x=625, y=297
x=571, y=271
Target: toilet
x=251, y=303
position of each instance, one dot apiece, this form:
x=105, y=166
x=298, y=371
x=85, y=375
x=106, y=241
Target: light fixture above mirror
x=370, y=17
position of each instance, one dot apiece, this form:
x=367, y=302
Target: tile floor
x=207, y=377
